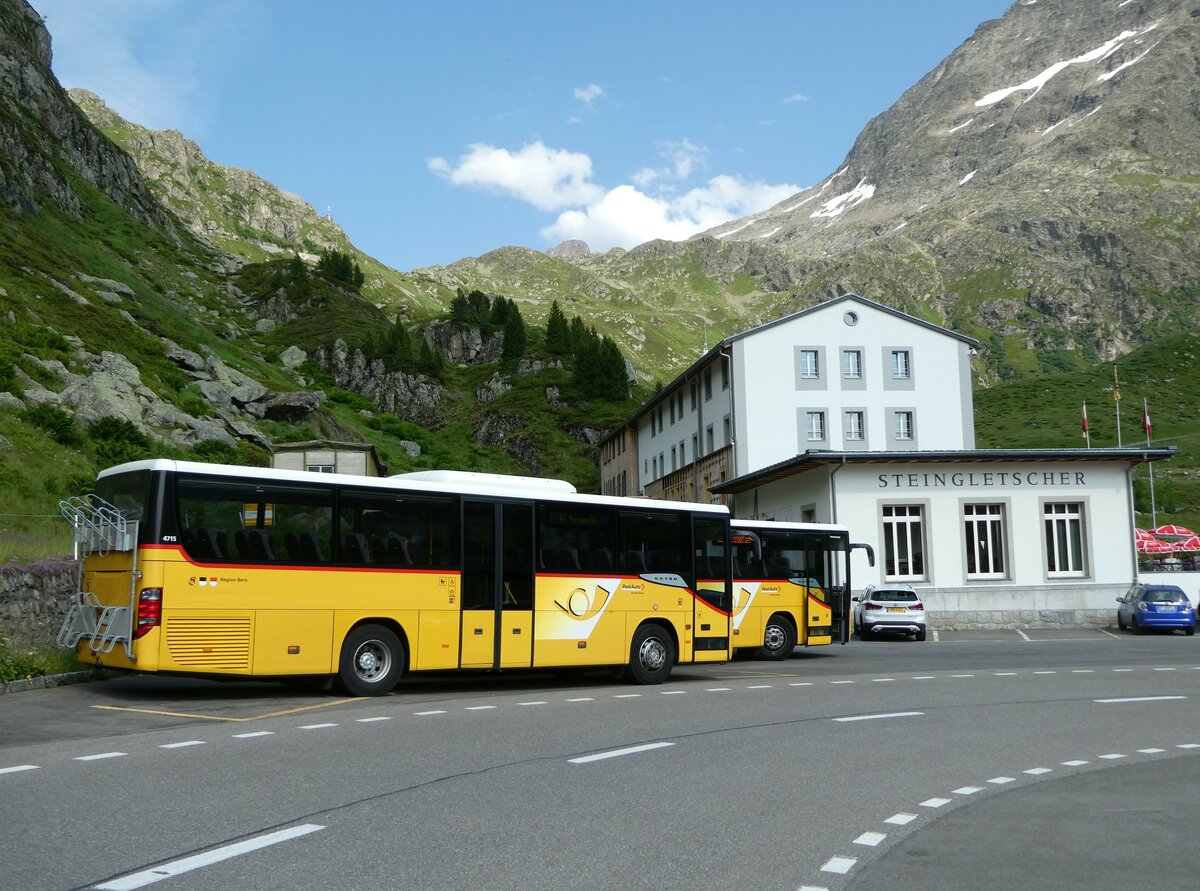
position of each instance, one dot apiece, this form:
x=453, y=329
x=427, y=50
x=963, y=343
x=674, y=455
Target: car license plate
x=897, y=609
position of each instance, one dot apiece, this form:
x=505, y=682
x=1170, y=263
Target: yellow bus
x=791, y=585
x=217, y=570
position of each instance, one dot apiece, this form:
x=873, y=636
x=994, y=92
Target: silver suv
x=894, y=609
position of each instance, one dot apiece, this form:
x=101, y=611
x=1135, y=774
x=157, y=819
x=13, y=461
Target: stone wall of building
x=33, y=602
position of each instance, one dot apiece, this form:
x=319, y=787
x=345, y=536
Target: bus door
x=710, y=536
x=497, y=584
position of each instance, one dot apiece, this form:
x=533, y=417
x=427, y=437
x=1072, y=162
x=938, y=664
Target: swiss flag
x=1083, y=425
x=1146, y=425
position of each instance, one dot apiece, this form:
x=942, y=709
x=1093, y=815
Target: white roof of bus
x=500, y=486
x=767, y=525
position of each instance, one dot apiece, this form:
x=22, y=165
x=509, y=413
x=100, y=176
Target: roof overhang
x=814, y=459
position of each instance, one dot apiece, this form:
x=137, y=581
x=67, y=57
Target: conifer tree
x=514, y=333
x=500, y=311
x=558, y=335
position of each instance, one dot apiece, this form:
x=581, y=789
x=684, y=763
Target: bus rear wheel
x=372, y=661
x=651, y=655
x=779, y=639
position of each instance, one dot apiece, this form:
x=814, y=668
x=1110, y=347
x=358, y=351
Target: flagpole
x=1117, y=400
x=1146, y=427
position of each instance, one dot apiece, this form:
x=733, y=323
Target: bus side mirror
x=866, y=547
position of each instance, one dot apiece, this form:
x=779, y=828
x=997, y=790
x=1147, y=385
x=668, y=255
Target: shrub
x=59, y=424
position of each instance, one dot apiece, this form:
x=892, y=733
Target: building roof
x=712, y=354
x=814, y=458
x=335, y=445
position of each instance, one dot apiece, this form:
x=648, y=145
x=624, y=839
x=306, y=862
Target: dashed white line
x=966, y=790
x=877, y=717
x=1122, y=669
x=800, y=684
x=217, y=855
x=533, y=702
x=254, y=734
x=1004, y=674
x=18, y=768
x=1188, y=746
x=1151, y=751
x=617, y=753
x=436, y=711
x=882, y=680
x=627, y=696
x=1075, y=763
x=1164, y=669
x=372, y=720
x=962, y=675
x=841, y=682
x=1045, y=672
x=182, y=745
x=716, y=689
x=1112, y=756
x=479, y=708
x=670, y=692
x=870, y=839
x=582, y=699
x=1038, y=771
x=839, y=865
x=924, y=677
x=101, y=756
x=316, y=726
x=1141, y=699
x=900, y=819
x=1083, y=671
x=760, y=687
x=1000, y=781
x=935, y=802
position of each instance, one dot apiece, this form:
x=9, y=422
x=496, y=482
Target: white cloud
x=626, y=216
x=795, y=97
x=549, y=179
x=684, y=158
x=588, y=93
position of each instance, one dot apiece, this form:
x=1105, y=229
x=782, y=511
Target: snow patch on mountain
x=838, y=205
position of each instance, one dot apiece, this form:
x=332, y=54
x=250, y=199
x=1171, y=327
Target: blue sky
x=440, y=131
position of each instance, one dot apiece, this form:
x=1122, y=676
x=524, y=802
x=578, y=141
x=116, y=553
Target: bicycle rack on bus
x=99, y=529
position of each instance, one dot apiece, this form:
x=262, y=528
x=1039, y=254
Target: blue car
x=1155, y=606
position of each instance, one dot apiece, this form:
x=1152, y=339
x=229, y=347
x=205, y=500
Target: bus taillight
x=149, y=611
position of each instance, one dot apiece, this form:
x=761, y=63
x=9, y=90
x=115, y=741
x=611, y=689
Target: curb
x=51, y=680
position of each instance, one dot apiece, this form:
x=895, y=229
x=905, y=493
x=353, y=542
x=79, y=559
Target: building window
x=728, y=433
x=810, y=364
x=724, y=375
x=708, y=436
x=852, y=364
x=814, y=426
x=695, y=446
x=983, y=525
x=708, y=383
x=855, y=426
x=672, y=401
x=1064, y=540
x=903, y=542
x=680, y=400
x=682, y=454
x=674, y=462
x=904, y=426
x=654, y=464
x=692, y=390
x=319, y=468
x=901, y=365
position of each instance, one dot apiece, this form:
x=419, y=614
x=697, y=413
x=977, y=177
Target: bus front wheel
x=651, y=655
x=372, y=661
x=779, y=639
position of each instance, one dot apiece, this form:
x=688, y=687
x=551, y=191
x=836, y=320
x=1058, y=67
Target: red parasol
x=1155, y=546
x=1188, y=545
x=1143, y=535
x=1172, y=531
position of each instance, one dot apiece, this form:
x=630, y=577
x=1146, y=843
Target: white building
x=854, y=413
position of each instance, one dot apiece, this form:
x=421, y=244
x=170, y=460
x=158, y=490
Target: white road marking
x=716, y=689
x=1038, y=771
x=900, y=819
x=966, y=790
x=1083, y=671
x=582, y=699
x=1023, y=635
x=840, y=865
x=1141, y=699
x=18, y=768
x=183, y=745
x=933, y=631
x=1122, y=669
x=1188, y=746
x=1109, y=633
x=627, y=696
x=101, y=756
x=217, y=855
x=436, y=711
x=935, y=802
x=1113, y=756
x=1151, y=751
x=760, y=687
x=1164, y=669
x=1045, y=672
x=1076, y=763
x=617, y=753
x=841, y=682
x=670, y=692
x=370, y=720
x=875, y=717
x=800, y=684
x=962, y=675
x=316, y=726
x=1000, y=781
x=882, y=680
x=870, y=839
x=1004, y=674
x=533, y=702
x=923, y=677
x=479, y=708
x=812, y=888
x=254, y=734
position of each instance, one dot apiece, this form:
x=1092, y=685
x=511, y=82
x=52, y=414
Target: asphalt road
x=980, y=760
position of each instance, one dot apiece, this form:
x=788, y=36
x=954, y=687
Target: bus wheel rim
x=774, y=637
x=371, y=660
x=652, y=654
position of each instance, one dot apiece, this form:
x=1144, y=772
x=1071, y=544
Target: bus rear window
x=127, y=492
